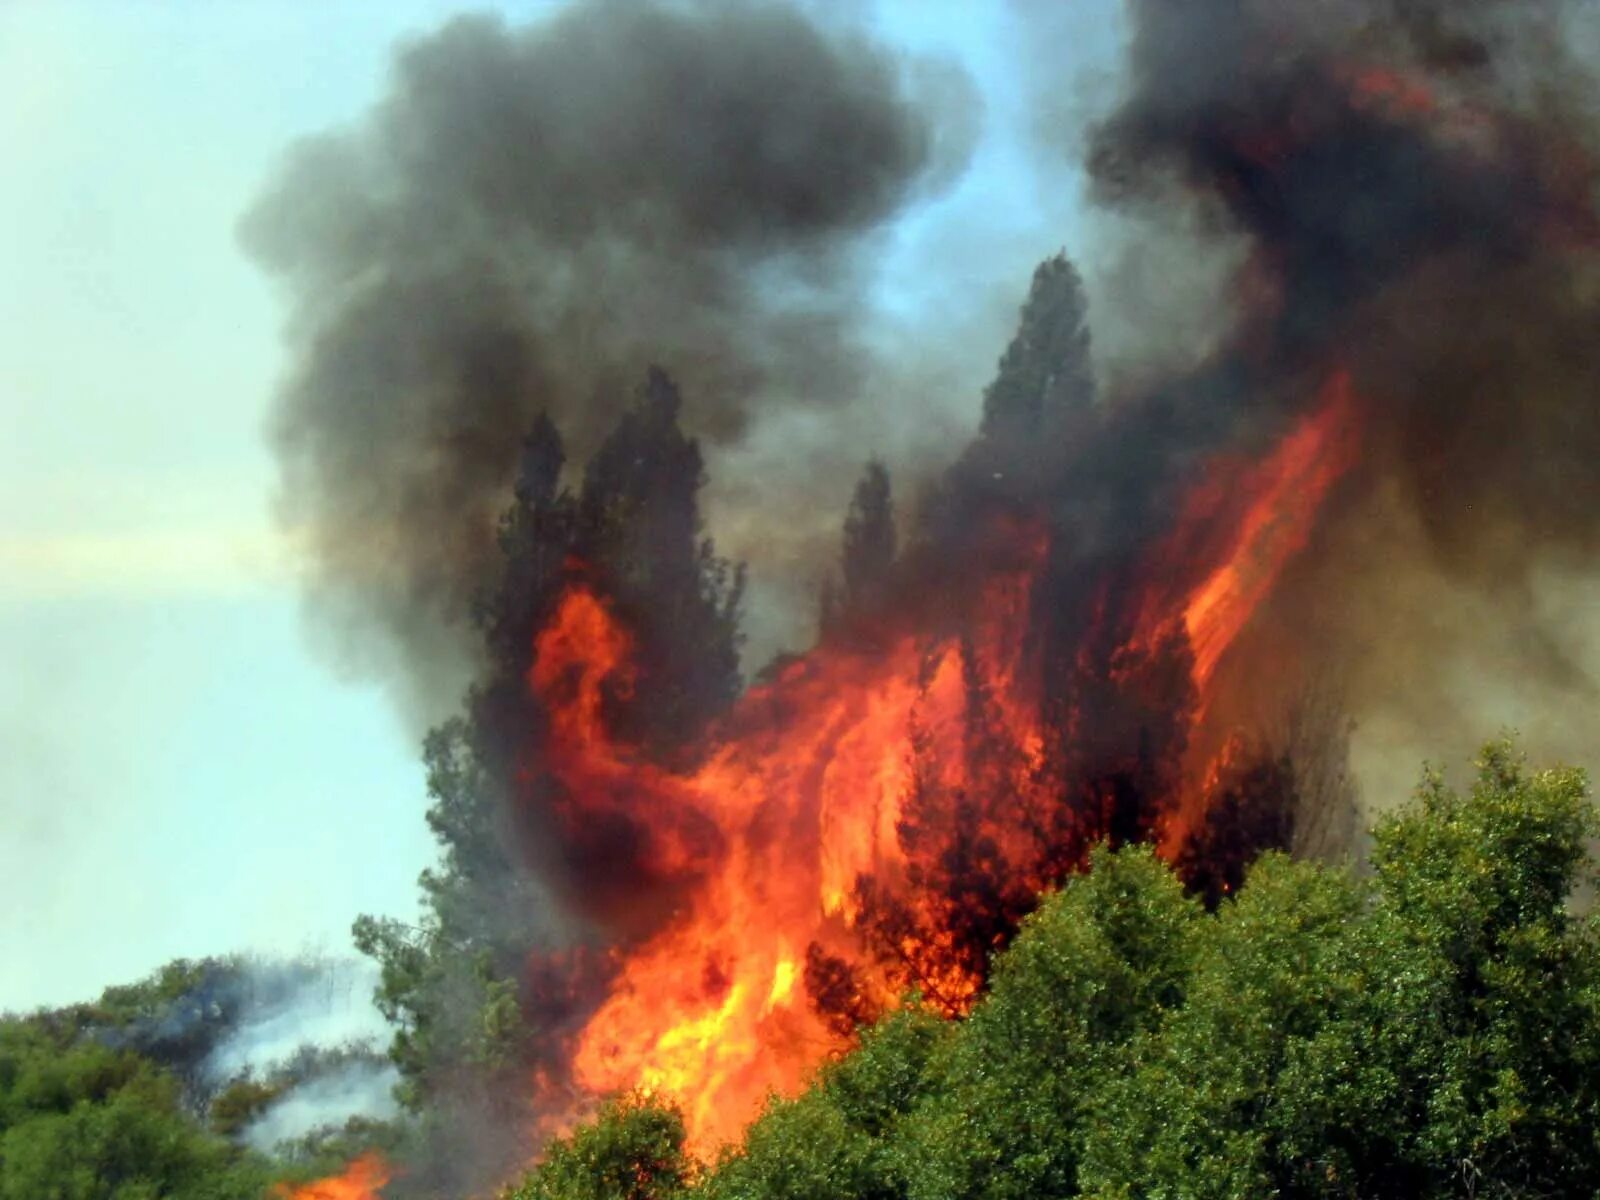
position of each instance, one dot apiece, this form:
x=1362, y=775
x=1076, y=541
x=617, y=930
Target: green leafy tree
x=81, y=1121
x=1469, y=1063
x=841, y=1137
x=449, y=986
x=633, y=1150
x=1098, y=964
x=1191, y=1118
x=1431, y=1035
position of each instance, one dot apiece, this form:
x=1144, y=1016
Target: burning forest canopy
x=1135, y=609
x=1154, y=594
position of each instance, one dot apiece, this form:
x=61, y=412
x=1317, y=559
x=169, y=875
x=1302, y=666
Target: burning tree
x=487, y=991
x=728, y=887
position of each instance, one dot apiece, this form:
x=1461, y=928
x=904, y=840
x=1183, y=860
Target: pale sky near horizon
x=179, y=773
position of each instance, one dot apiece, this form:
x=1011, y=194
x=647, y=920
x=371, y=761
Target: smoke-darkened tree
x=868, y=547
x=979, y=853
x=639, y=521
x=1043, y=389
x=868, y=553
x=1045, y=373
x=537, y=533
x=1122, y=717
x=1250, y=808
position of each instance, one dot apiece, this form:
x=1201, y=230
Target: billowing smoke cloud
x=530, y=218
x=1406, y=192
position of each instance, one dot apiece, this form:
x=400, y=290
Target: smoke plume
x=1405, y=192
x=530, y=218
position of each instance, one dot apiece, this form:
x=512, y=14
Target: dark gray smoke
x=1406, y=191
x=530, y=218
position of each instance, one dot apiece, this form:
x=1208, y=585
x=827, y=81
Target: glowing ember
x=363, y=1179
x=1403, y=93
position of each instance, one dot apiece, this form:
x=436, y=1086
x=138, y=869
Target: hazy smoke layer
x=309, y=1029
x=362, y=1088
x=281, y=1008
x=531, y=217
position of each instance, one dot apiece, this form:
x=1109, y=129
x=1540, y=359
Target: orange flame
x=1287, y=489
x=363, y=1179
x=805, y=790
x=804, y=795
x=1253, y=518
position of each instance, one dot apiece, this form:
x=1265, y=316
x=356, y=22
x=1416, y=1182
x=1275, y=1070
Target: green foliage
x=81, y=1121
x=633, y=1150
x=241, y=1102
x=1098, y=963
x=1190, y=1114
x=840, y=1138
x=1431, y=1036
x=111, y=1101
x=121, y=1004
x=449, y=985
x=41, y=1072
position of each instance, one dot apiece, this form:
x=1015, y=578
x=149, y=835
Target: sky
x=181, y=773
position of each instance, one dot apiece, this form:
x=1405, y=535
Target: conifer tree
x=869, y=547
x=1045, y=372
x=639, y=522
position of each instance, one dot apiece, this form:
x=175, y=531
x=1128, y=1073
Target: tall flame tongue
x=1246, y=521
x=363, y=1179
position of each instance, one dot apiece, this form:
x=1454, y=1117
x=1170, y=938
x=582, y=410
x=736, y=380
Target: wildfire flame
x=1251, y=519
x=1103, y=570
x=363, y=1179
x=804, y=792
x=802, y=799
